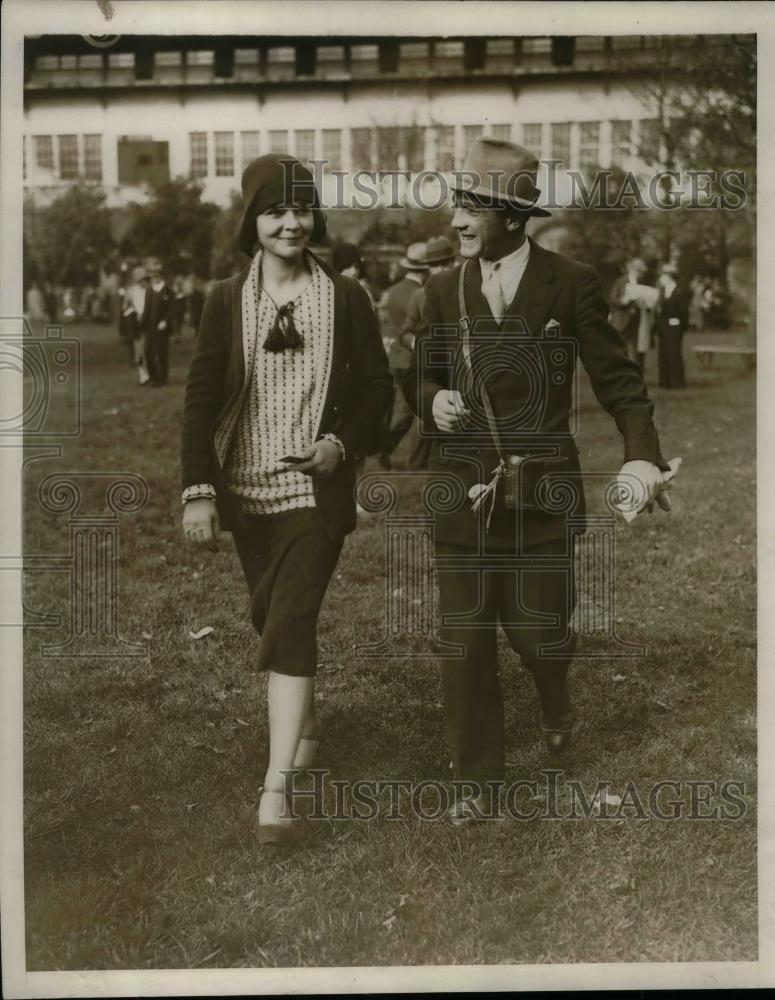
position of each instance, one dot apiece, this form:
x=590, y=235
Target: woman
x=286, y=391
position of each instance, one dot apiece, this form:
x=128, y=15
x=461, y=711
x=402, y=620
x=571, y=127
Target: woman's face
x=285, y=232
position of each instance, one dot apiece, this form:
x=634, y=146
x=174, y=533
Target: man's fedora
x=502, y=173
x=415, y=258
x=438, y=250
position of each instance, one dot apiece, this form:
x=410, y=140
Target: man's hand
x=640, y=484
x=200, y=522
x=162, y=324
x=319, y=460
x=449, y=413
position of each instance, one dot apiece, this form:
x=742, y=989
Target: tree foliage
x=227, y=258
x=703, y=100
x=68, y=240
x=176, y=226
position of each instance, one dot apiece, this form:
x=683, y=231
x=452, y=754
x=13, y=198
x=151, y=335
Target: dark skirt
x=288, y=560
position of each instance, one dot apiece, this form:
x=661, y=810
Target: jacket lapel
x=480, y=315
x=536, y=292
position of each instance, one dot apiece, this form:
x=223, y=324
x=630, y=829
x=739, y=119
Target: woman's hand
x=320, y=459
x=200, y=522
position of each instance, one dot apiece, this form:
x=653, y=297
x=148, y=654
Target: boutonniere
x=551, y=328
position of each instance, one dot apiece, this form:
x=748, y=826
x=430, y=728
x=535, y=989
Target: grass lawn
x=141, y=774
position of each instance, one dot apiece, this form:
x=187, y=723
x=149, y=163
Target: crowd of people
x=646, y=314
x=152, y=311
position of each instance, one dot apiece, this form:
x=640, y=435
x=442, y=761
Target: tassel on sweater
x=283, y=333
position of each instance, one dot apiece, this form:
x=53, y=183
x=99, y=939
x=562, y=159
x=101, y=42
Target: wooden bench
x=707, y=352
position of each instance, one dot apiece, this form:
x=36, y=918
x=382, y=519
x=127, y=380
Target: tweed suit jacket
x=357, y=396
x=558, y=317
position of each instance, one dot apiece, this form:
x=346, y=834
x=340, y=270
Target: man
x=156, y=324
x=673, y=321
x=393, y=309
x=498, y=402
x=132, y=309
x=632, y=317
x=439, y=255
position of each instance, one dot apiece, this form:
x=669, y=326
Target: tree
x=607, y=238
x=175, y=225
x=68, y=240
x=703, y=99
x=226, y=258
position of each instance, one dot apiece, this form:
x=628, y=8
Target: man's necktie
x=492, y=291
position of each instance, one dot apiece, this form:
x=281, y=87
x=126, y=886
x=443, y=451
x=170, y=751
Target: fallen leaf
x=618, y=678
x=134, y=809
x=662, y=705
x=147, y=635
x=207, y=630
x=622, y=884
x=241, y=722
x=191, y=805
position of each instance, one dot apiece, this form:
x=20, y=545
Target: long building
x=146, y=108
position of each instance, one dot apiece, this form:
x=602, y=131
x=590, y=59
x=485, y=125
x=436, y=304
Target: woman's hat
x=502, y=173
x=439, y=249
x=277, y=179
x=414, y=258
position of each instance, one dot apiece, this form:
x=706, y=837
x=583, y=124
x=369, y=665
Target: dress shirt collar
x=515, y=261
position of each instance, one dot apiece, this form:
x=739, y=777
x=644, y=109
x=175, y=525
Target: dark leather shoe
x=557, y=732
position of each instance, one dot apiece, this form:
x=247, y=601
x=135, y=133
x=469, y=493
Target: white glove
x=641, y=483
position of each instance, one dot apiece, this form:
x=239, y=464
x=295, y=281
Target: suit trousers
x=531, y=596
x=157, y=347
x=671, y=374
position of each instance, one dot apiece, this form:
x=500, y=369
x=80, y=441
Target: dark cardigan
x=357, y=396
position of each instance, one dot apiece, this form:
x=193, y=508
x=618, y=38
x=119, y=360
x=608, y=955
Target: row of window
x=306, y=58
x=66, y=156
x=413, y=148
x=388, y=148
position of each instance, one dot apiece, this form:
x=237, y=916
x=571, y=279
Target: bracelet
x=203, y=491
x=339, y=446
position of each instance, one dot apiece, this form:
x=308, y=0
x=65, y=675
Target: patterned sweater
x=279, y=410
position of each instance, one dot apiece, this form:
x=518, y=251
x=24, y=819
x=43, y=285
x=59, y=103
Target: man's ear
x=513, y=223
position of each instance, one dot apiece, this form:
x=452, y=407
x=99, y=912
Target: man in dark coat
x=512, y=504
x=156, y=324
x=393, y=310
x=673, y=321
x=439, y=255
